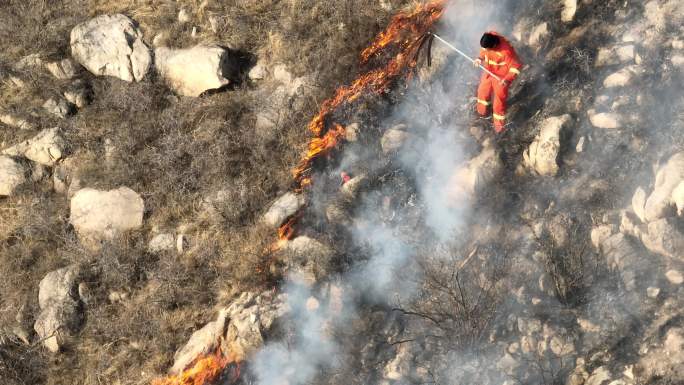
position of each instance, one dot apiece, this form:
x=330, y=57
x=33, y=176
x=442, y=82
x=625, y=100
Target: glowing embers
x=206, y=370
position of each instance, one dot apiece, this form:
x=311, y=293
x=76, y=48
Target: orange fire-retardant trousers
x=484, y=94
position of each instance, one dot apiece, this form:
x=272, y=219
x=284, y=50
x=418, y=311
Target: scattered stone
x=620, y=78
x=600, y=234
x=308, y=258
x=292, y=84
x=105, y=214
x=16, y=121
x=182, y=243
x=542, y=155
x=652, y=292
x=665, y=238
x=46, y=148
x=668, y=177
x=623, y=257
x=468, y=181
x=569, y=10
x=193, y=71
x=579, y=148
x=57, y=321
x=111, y=45
x=161, y=242
x=12, y=175
x=599, y=376
x=258, y=72
x=630, y=225
x=183, y=16
x=399, y=367
x=351, y=132
x=615, y=55
x=675, y=277
x=63, y=69
x=202, y=342
x=78, y=94
x=58, y=107
x=607, y=120
x=538, y=35
x=58, y=286
x=283, y=208
x=60, y=309
x=638, y=203
x=394, y=138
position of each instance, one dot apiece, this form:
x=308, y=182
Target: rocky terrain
x=151, y=230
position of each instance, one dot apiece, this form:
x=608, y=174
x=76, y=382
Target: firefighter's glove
x=477, y=62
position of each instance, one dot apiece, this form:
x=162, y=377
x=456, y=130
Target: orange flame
x=205, y=371
x=406, y=31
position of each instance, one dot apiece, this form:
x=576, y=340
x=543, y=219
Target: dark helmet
x=489, y=40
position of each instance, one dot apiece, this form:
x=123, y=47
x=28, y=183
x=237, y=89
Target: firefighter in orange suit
x=498, y=56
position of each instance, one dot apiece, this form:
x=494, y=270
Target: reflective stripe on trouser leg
x=501, y=118
x=483, y=102
x=484, y=93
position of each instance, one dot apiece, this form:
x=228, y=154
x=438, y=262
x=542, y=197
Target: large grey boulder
x=286, y=206
x=238, y=330
x=542, y=155
x=615, y=55
x=46, y=148
x=12, y=175
x=669, y=176
x=111, y=45
x=105, y=214
x=192, y=71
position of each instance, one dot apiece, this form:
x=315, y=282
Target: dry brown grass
x=175, y=152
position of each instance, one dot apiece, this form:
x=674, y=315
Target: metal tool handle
x=466, y=56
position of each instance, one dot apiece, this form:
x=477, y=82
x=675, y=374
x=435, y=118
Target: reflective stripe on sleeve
x=492, y=62
x=514, y=70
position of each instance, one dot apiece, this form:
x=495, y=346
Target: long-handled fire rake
x=464, y=55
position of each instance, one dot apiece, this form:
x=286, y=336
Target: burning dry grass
x=204, y=371
x=406, y=34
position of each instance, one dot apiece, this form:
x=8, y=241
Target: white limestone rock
x=193, y=71
x=111, y=45
x=105, y=214
x=542, y=155
x=46, y=148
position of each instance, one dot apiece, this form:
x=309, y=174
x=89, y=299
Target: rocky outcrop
x=569, y=10
x=46, y=148
x=620, y=78
x=161, y=242
x=286, y=206
x=60, y=306
x=193, y=71
x=615, y=55
x=307, y=259
x=664, y=237
x=12, y=175
x=111, y=45
x=669, y=176
x=238, y=330
x=16, y=121
x=104, y=214
x=542, y=155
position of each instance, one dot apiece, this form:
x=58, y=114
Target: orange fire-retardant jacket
x=502, y=60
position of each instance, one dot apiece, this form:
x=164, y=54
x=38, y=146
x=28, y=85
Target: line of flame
x=405, y=31
x=205, y=371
